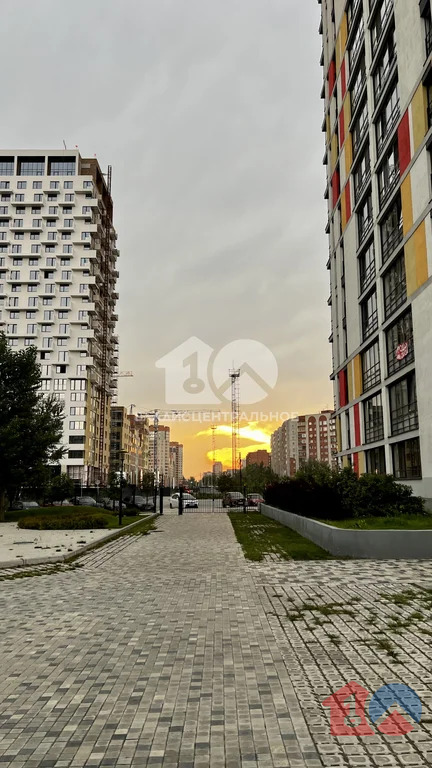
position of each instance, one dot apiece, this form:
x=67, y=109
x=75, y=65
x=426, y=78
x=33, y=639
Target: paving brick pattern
x=171, y=650
x=380, y=633
x=158, y=653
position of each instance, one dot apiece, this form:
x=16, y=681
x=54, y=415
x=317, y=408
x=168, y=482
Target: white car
x=188, y=501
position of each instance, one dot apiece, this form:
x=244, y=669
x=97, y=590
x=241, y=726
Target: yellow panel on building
x=419, y=116
x=348, y=154
x=345, y=461
x=416, y=260
x=328, y=128
x=361, y=462
x=344, y=33
x=347, y=111
x=407, y=208
x=358, y=385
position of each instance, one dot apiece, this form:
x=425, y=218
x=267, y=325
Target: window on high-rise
x=6, y=169
x=388, y=173
x=403, y=405
x=373, y=419
x=371, y=369
x=379, y=23
x=400, y=343
x=394, y=282
x=28, y=166
x=369, y=315
x=391, y=229
x=387, y=118
x=385, y=65
x=406, y=459
x=61, y=167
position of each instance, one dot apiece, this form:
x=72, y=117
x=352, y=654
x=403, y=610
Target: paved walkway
x=170, y=650
x=161, y=654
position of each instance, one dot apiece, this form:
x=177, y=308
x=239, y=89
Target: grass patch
x=398, y=522
x=400, y=598
x=384, y=644
x=67, y=518
x=260, y=536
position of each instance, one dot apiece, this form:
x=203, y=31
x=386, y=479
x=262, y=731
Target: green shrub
x=68, y=521
x=317, y=491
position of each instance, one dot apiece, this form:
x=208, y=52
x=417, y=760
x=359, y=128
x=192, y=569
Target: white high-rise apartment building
x=57, y=290
x=298, y=440
x=377, y=91
x=162, y=454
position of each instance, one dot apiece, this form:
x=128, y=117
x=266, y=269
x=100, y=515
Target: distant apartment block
x=58, y=290
x=261, y=458
x=312, y=436
x=377, y=96
x=176, y=464
x=160, y=454
x=131, y=435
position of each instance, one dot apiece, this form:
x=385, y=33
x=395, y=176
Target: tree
x=226, y=482
x=256, y=478
x=62, y=486
x=147, y=483
x=31, y=424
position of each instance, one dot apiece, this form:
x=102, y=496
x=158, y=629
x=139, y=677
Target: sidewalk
x=19, y=546
x=162, y=656
x=171, y=650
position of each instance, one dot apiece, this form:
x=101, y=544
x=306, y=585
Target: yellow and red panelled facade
x=411, y=131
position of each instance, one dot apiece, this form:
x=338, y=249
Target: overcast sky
x=209, y=112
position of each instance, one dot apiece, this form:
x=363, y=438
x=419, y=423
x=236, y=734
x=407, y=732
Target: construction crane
x=235, y=406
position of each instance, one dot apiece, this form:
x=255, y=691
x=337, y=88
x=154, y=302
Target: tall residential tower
x=57, y=290
x=378, y=115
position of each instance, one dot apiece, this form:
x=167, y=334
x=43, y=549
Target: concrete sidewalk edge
x=115, y=533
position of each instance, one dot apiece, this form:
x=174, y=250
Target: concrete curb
x=115, y=533
x=388, y=544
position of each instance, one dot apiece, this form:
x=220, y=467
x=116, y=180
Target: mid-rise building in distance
x=377, y=120
x=160, y=454
x=58, y=290
x=129, y=445
x=312, y=436
x=261, y=458
x=176, y=464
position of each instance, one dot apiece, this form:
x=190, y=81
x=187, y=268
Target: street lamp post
x=122, y=454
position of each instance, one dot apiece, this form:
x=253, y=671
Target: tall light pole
x=122, y=455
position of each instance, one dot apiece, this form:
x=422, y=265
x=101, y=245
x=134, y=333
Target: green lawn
x=260, y=536
x=400, y=522
x=14, y=515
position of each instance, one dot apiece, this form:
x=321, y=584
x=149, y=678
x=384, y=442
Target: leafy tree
x=62, y=486
x=256, y=478
x=226, y=482
x=147, y=483
x=31, y=424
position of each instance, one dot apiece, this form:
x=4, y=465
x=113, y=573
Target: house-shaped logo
x=186, y=374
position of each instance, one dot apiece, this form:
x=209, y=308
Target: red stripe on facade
x=343, y=79
x=332, y=76
x=356, y=463
x=348, y=200
x=404, y=143
x=357, y=424
x=343, y=390
x=335, y=187
x=341, y=128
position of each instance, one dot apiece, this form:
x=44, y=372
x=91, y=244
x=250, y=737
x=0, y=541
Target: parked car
x=86, y=501
x=232, y=499
x=143, y=503
x=254, y=499
x=25, y=505
x=188, y=501
x=64, y=503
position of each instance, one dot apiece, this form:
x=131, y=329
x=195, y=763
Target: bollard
x=180, y=501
